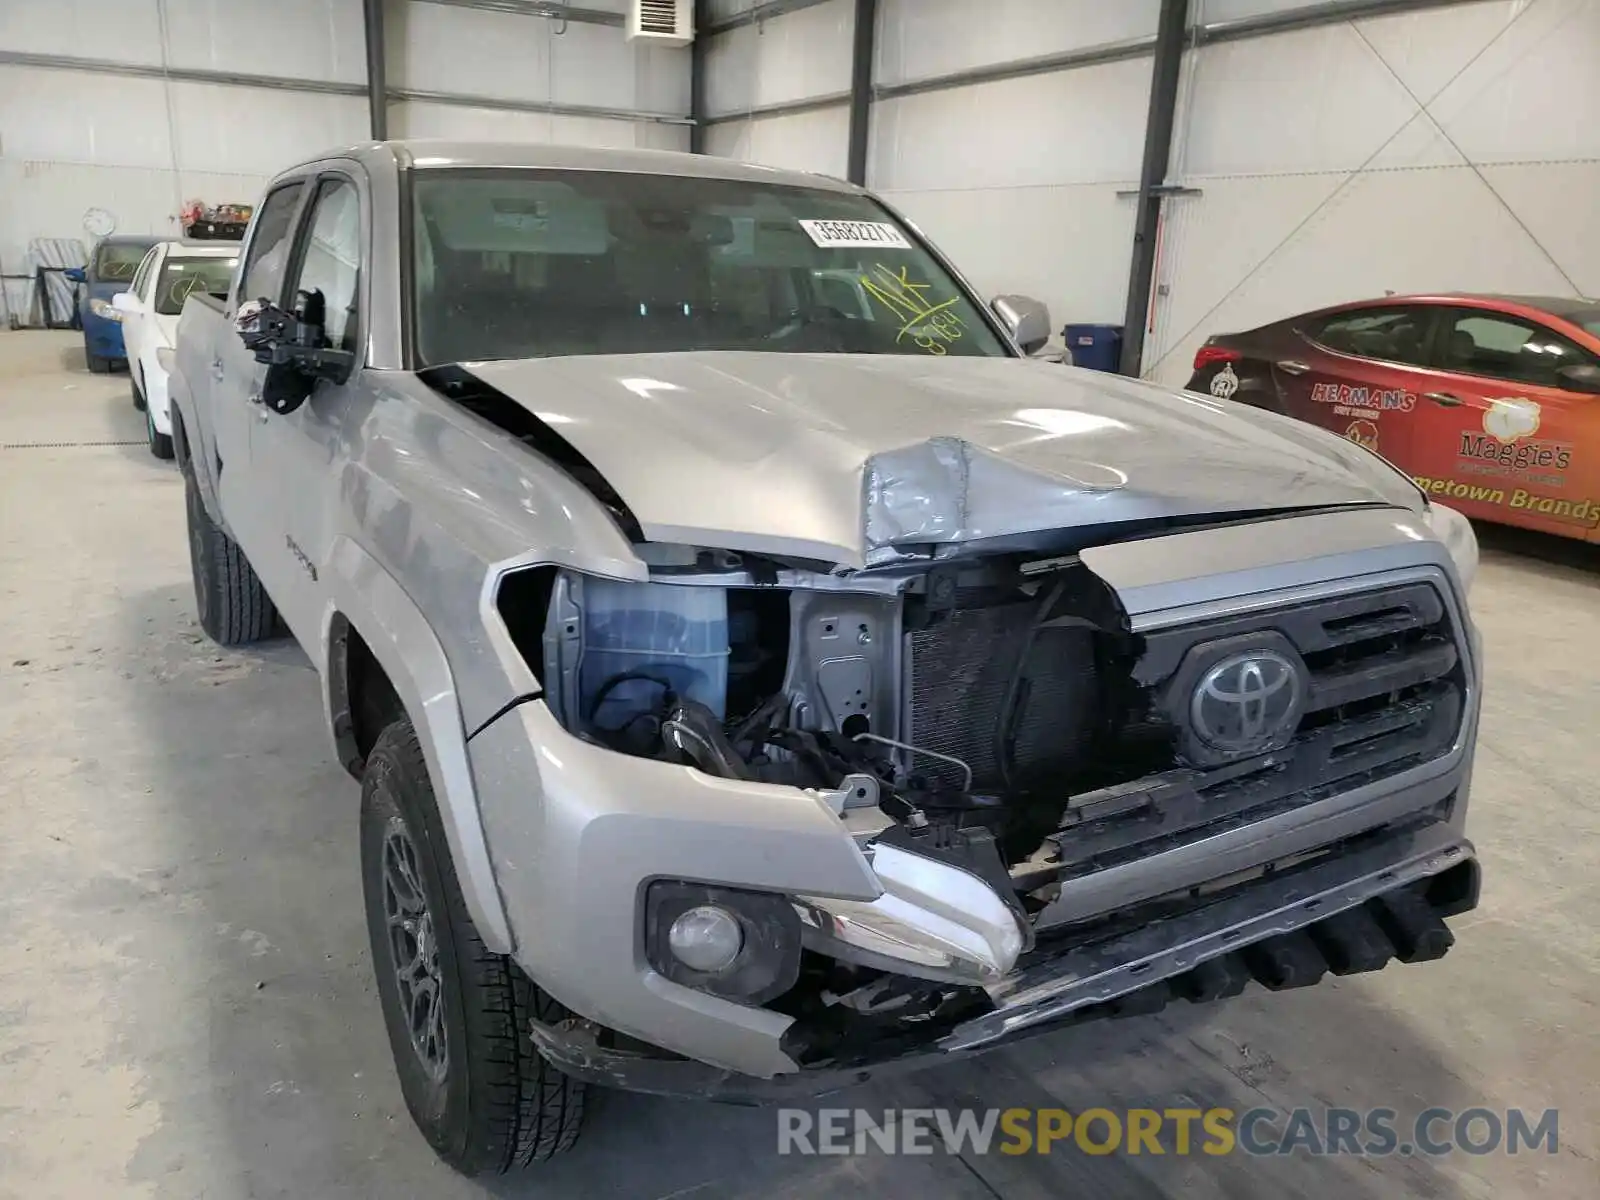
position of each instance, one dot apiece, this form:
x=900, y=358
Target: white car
x=149, y=316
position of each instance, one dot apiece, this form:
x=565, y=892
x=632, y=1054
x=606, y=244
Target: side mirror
x=1580, y=377
x=76, y=274
x=291, y=346
x=1027, y=319
x=124, y=302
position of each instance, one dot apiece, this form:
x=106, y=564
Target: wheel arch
x=379, y=656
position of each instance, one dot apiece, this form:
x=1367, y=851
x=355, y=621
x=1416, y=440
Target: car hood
x=863, y=459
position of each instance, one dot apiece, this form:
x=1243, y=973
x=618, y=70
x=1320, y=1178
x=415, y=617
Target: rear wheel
x=457, y=1014
x=232, y=605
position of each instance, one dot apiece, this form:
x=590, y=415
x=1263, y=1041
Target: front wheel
x=457, y=1014
x=133, y=386
x=98, y=364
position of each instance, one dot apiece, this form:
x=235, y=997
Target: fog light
x=729, y=942
x=706, y=938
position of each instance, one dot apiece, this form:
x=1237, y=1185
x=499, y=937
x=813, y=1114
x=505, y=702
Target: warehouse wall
x=795, y=56
x=137, y=147
x=1451, y=148
x=1454, y=149
x=511, y=58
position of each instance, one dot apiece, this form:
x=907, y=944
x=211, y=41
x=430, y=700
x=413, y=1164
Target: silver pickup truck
x=760, y=673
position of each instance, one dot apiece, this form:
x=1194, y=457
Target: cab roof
x=436, y=153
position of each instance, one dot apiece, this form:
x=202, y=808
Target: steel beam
x=698, y=50
x=549, y=9
x=102, y=66
x=1170, y=32
x=377, y=69
x=865, y=48
x=462, y=100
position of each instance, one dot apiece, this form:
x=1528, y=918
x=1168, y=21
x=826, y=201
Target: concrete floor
x=186, y=1006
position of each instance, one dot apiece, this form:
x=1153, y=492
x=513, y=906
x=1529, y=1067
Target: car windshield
x=534, y=263
x=181, y=276
x=117, y=261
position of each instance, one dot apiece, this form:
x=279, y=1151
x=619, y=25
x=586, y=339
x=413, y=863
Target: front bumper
x=101, y=337
x=1351, y=913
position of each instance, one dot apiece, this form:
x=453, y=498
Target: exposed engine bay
x=998, y=717
x=976, y=698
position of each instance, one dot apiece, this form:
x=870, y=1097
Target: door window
x=269, y=246
x=141, y=277
x=331, y=261
x=1388, y=334
x=1498, y=346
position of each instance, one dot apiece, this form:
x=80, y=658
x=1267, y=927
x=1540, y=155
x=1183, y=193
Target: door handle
x=1443, y=399
x=1294, y=366
x=216, y=369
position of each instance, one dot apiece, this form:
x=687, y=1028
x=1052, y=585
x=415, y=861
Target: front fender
x=361, y=592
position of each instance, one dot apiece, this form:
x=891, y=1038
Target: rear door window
x=1397, y=334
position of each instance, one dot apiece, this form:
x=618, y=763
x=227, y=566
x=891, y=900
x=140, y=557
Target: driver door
x=299, y=450
x=236, y=380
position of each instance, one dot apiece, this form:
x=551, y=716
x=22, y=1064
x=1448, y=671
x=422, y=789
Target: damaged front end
x=1077, y=797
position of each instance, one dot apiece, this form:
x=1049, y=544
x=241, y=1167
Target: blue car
x=112, y=265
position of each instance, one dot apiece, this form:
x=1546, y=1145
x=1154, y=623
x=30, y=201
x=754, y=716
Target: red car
x=1491, y=403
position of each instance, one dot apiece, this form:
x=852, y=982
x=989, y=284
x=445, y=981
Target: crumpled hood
x=851, y=458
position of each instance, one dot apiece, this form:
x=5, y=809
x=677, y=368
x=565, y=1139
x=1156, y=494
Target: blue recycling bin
x=1097, y=347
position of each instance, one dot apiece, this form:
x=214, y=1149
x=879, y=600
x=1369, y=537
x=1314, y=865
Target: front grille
x=1385, y=692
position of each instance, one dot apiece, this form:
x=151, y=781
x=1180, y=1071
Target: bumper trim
x=1053, y=991
x=1108, y=970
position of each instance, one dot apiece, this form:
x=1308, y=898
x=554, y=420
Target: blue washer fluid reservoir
x=636, y=633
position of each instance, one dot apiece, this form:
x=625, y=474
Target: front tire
x=233, y=607
x=97, y=364
x=133, y=386
x=457, y=1014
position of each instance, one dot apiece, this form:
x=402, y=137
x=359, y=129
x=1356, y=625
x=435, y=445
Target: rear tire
x=233, y=607
x=457, y=1014
x=96, y=363
x=160, y=443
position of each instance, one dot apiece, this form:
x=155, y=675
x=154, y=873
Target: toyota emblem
x=1247, y=702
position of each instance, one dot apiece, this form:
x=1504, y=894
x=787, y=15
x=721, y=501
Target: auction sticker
x=847, y=234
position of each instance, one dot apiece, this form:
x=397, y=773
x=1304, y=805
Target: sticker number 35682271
x=873, y=234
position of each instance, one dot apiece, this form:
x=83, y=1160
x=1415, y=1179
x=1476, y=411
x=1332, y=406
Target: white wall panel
x=922, y=38
x=813, y=141
x=1065, y=245
x=1081, y=126
x=791, y=57
x=122, y=30
x=301, y=39
x=443, y=48
x=420, y=119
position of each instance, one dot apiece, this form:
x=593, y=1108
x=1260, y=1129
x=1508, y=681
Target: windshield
x=526, y=263
x=181, y=276
x=117, y=261
x=1587, y=319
